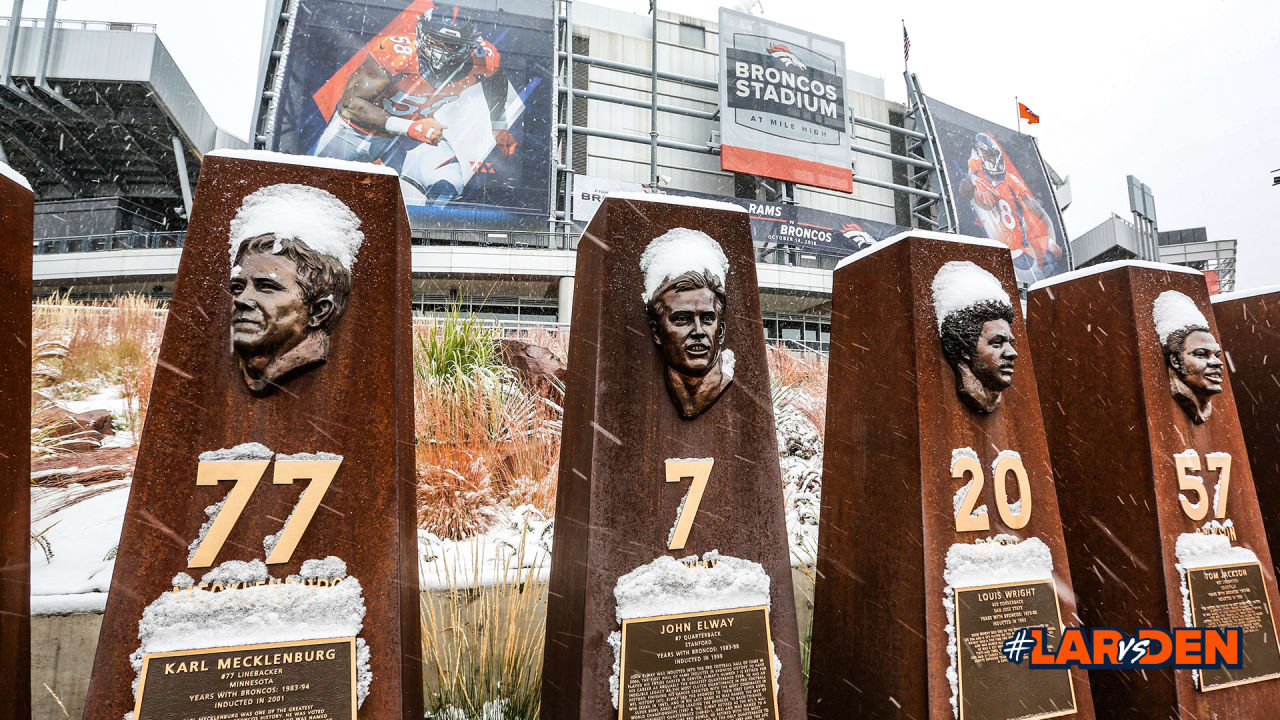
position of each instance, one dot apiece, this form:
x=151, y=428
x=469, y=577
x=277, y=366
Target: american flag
x=906, y=42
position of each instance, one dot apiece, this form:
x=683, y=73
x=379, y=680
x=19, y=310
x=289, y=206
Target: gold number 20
x=968, y=466
x=246, y=474
x=1185, y=463
x=699, y=471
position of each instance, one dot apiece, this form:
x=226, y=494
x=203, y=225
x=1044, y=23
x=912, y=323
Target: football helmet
x=991, y=155
x=445, y=37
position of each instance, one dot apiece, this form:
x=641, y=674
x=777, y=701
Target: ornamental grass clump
x=482, y=632
x=484, y=440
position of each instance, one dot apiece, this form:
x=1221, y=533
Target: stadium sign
x=777, y=225
x=782, y=103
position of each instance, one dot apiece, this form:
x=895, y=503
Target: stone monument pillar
x=1158, y=501
x=1250, y=325
x=16, y=202
x=268, y=560
x=940, y=536
x=671, y=586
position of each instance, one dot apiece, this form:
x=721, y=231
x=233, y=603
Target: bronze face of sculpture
x=286, y=300
x=686, y=318
x=1194, y=359
x=977, y=342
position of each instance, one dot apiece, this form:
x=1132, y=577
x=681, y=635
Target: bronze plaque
x=713, y=666
x=991, y=687
x=1234, y=596
x=311, y=679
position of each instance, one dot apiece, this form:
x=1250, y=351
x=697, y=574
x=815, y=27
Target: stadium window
x=693, y=36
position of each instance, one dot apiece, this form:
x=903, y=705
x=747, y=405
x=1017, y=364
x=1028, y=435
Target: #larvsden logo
x=1108, y=648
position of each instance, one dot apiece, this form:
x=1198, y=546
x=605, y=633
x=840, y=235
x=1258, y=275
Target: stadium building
x=1140, y=238
x=102, y=121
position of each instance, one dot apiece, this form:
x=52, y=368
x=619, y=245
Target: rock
x=88, y=427
x=98, y=421
x=535, y=364
x=86, y=468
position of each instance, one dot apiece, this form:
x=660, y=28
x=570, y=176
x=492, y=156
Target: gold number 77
x=699, y=471
x=246, y=475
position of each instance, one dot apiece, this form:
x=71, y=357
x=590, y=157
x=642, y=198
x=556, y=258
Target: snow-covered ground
x=71, y=565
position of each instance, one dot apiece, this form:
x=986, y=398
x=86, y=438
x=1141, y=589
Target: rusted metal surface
x=16, y=204
x=356, y=404
x=614, y=511
x=1250, y=328
x=895, y=412
x=1114, y=426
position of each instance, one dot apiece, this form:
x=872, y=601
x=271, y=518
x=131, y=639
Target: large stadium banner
x=457, y=98
x=782, y=103
x=780, y=225
x=1001, y=190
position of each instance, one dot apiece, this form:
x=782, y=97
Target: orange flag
x=1025, y=113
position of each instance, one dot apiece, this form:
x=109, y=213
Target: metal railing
x=128, y=240
x=514, y=239
x=540, y=240
x=86, y=25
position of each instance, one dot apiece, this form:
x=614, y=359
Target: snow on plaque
x=667, y=586
x=238, y=603
x=999, y=560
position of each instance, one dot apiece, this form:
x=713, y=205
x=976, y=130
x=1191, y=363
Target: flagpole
x=1018, y=108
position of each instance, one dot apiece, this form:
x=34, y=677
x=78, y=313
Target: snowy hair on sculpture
x=960, y=285
x=681, y=251
x=306, y=214
x=1175, y=316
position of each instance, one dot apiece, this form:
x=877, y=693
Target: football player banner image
x=431, y=101
x=1006, y=209
x=1001, y=190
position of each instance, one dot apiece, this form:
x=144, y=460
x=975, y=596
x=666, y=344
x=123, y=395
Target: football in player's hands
x=427, y=130
x=506, y=142
x=983, y=194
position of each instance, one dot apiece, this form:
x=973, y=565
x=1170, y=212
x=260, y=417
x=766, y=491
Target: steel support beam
x=896, y=187
x=180, y=158
x=639, y=70
x=888, y=128
x=672, y=144
x=890, y=156
x=616, y=99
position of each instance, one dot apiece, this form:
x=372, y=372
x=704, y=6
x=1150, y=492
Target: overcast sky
x=1184, y=95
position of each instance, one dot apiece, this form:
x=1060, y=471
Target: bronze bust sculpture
x=1192, y=355
x=975, y=323
x=687, y=317
x=287, y=295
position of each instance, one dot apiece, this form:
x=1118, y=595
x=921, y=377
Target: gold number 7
x=699, y=471
x=246, y=474
x=321, y=473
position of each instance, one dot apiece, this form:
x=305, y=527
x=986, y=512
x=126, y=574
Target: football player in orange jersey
x=1007, y=211
x=391, y=108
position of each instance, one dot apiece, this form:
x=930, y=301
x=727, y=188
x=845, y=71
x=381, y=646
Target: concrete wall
x=62, y=646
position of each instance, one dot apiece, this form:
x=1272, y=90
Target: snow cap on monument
x=303, y=213
x=1172, y=311
x=961, y=284
x=678, y=251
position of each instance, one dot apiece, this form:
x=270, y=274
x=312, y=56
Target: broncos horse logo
x=787, y=57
